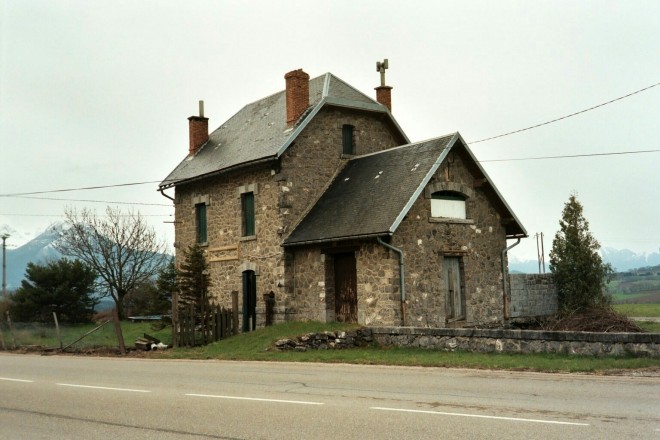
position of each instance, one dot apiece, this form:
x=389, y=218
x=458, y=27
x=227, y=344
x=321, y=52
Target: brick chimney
x=198, y=130
x=384, y=96
x=297, y=94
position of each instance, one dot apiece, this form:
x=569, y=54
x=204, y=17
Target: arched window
x=448, y=204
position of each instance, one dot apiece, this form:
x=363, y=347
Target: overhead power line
x=565, y=117
x=84, y=188
x=568, y=156
x=24, y=195
x=169, y=205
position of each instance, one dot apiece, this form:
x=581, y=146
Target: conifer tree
x=580, y=275
x=194, y=279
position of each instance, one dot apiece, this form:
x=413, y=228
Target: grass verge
x=258, y=346
x=647, y=310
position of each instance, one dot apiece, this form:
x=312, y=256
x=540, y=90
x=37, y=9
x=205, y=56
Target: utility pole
x=540, y=253
x=4, y=265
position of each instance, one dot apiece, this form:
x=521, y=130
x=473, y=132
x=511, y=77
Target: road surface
x=46, y=397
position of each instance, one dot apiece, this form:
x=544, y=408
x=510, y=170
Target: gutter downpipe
x=505, y=302
x=162, y=192
x=402, y=285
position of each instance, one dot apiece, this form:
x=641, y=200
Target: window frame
x=447, y=209
x=248, y=215
x=348, y=139
x=201, y=223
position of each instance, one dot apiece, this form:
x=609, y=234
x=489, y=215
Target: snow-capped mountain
x=38, y=250
x=620, y=259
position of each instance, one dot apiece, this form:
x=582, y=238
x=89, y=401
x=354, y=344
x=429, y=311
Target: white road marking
x=15, y=380
x=514, y=419
x=101, y=388
x=299, y=402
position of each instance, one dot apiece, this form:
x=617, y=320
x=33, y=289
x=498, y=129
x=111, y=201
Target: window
x=247, y=208
x=200, y=221
x=448, y=204
x=348, y=143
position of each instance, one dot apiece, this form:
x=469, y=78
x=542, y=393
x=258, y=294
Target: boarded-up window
x=200, y=220
x=448, y=204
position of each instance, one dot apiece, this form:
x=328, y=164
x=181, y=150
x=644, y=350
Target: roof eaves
x=423, y=183
x=334, y=239
x=217, y=172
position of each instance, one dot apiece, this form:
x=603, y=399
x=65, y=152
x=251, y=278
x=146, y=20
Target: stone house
x=315, y=195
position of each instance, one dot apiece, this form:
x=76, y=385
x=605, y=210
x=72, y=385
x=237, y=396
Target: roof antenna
x=380, y=67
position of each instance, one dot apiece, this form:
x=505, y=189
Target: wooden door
x=345, y=288
x=455, y=296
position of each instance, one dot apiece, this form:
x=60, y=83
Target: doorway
x=249, y=301
x=454, y=288
x=345, y=287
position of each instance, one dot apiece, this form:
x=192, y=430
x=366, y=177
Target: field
x=641, y=286
x=45, y=335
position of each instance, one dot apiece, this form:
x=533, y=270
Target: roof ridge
x=412, y=144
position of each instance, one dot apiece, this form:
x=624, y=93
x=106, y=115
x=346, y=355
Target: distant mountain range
x=40, y=249
x=620, y=259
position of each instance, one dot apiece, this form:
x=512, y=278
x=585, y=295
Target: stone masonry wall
x=228, y=252
x=521, y=341
x=478, y=241
x=310, y=164
x=532, y=295
x=283, y=192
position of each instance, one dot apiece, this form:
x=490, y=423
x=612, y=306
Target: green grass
x=258, y=346
x=648, y=310
x=44, y=335
x=649, y=327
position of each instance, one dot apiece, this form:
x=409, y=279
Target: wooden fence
x=214, y=324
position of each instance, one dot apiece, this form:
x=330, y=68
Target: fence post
x=11, y=330
x=2, y=338
x=175, y=319
x=234, y=311
x=57, y=328
x=118, y=332
x=269, y=299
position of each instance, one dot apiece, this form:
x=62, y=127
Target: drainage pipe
x=402, y=284
x=162, y=192
x=505, y=300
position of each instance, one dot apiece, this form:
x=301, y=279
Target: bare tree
x=121, y=248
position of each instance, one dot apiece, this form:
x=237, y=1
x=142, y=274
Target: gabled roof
x=258, y=132
x=373, y=193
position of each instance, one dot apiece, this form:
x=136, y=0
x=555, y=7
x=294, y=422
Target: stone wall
x=520, y=341
x=478, y=241
x=532, y=295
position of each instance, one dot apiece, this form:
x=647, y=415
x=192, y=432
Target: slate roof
x=373, y=193
x=258, y=132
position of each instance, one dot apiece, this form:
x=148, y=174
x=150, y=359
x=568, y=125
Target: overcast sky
x=97, y=93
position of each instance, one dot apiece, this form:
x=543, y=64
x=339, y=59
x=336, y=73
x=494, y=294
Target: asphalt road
x=62, y=397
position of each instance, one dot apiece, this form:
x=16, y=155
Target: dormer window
x=348, y=142
x=448, y=204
